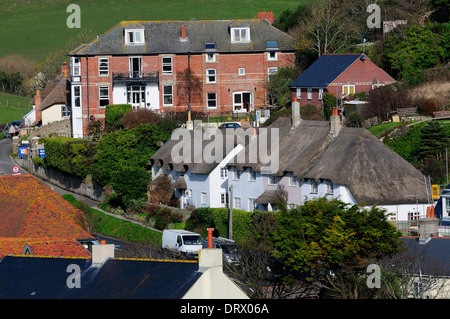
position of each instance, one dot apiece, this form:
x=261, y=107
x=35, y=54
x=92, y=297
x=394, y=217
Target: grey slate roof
x=46, y=278
x=163, y=37
x=324, y=70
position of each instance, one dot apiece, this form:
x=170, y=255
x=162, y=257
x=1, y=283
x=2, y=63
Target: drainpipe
x=87, y=88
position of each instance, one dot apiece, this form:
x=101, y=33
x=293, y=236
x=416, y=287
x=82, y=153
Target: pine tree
x=434, y=141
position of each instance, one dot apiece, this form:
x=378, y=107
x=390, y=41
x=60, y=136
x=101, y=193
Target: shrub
x=114, y=115
x=163, y=218
x=69, y=155
x=310, y=112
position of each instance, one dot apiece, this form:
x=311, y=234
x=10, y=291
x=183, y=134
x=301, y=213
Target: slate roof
x=436, y=253
x=163, y=37
x=324, y=70
x=32, y=214
x=45, y=278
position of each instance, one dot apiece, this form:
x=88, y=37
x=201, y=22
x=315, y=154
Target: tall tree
x=329, y=236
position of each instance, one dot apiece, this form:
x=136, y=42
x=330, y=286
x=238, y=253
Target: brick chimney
x=65, y=70
x=37, y=104
x=336, y=123
x=268, y=15
x=183, y=33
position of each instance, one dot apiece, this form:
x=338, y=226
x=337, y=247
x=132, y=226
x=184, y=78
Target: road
x=6, y=165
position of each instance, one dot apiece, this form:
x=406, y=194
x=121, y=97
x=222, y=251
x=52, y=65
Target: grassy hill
x=13, y=107
x=33, y=28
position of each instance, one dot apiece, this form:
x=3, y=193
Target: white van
x=182, y=241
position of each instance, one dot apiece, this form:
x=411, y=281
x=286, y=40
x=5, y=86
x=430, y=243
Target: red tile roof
x=31, y=213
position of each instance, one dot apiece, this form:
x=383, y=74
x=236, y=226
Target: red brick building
x=338, y=74
x=141, y=63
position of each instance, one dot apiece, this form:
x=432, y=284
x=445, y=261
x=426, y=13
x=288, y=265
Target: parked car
x=230, y=250
x=182, y=241
x=230, y=125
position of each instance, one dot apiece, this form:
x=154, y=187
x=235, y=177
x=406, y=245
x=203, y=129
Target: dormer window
x=240, y=35
x=134, y=37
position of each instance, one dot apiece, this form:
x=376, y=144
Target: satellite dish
x=363, y=57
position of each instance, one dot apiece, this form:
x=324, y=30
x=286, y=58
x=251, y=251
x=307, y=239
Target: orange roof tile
x=29, y=209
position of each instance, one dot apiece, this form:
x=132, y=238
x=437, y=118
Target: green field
x=13, y=107
x=33, y=28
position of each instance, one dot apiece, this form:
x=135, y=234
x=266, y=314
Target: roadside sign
x=15, y=169
x=42, y=152
x=435, y=191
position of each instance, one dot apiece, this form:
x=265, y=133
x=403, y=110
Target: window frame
x=76, y=66
x=223, y=172
x=329, y=190
x=75, y=97
x=100, y=70
x=134, y=32
x=314, y=187
x=349, y=86
x=103, y=98
x=208, y=99
x=208, y=76
x=269, y=58
x=320, y=94
x=237, y=199
x=299, y=93
x=167, y=64
x=203, y=198
x=241, y=73
x=213, y=57
x=251, y=175
x=272, y=180
x=167, y=94
x=240, y=39
x=65, y=109
x=309, y=94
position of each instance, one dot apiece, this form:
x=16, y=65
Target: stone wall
x=60, y=128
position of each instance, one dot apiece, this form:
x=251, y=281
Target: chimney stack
x=65, y=70
x=268, y=15
x=183, y=32
x=102, y=252
x=336, y=123
x=210, y=239
x=296, y=119
x=37, y=104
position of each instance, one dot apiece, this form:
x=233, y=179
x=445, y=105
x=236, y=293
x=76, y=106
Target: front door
x=243, y=102
x=136, y=96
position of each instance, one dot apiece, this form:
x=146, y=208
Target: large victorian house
x=146, y=63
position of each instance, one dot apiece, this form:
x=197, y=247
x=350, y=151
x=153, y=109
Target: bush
x=310, y=112
x=162, y=218
x=69, y=155
x=114, y=115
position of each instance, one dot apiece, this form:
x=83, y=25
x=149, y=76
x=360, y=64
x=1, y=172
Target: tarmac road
x=6, y=165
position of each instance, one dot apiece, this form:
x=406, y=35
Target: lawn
x=13, y=107
x=377, y=130
x=33, y=28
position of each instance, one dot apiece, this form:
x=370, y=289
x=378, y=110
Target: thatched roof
x=180, y=183
x=373, y=173
x=57, y=93
x=267, y=197
x=196, y=162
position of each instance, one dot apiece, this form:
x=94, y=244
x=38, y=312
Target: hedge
x=246, y=225
x=69, y=155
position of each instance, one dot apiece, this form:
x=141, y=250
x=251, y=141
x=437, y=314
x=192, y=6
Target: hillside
x=33, y=28
x=13, y=107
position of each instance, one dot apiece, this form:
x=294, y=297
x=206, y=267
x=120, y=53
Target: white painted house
x=315, y=159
